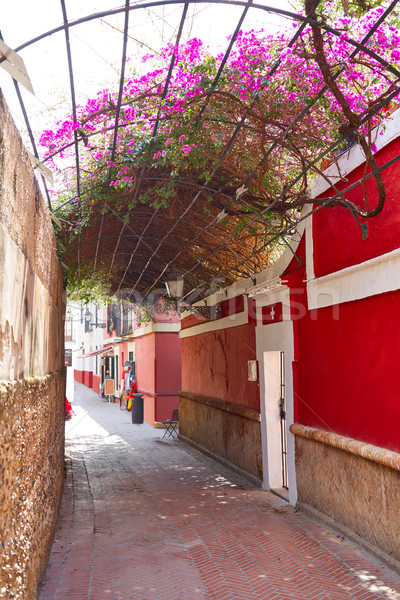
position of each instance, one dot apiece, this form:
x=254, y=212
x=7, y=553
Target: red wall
x=167, y=374
x=167, y=362
x=96, y=384
x=347, y=370
x=214, y=364
x=346, y=365
x=337, y=237
x=158, y=374
x=78, y=376
x=145, y=352
x=89, y=379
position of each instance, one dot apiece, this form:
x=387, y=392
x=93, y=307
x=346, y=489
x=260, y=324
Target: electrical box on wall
x=252, y=370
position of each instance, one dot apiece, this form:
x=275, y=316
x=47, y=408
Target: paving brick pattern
x=144, y=518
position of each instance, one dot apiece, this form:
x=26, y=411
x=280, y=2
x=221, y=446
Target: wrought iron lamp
x=90, y=324
x=174, y=285
x=88, y=318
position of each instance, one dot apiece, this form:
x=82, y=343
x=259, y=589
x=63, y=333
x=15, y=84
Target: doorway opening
x=276, y=469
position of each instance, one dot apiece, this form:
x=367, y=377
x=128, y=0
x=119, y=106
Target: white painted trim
x=272, y=286
x=157, y=328
x=310, y=270
x=334, y=289
x=227, y=322
x=375, y=276
x=113, y=340
x=384, y=134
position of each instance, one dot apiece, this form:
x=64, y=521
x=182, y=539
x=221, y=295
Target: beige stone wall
x=360, y=493
x=228, y=432
x=31, y=459
x=32, y=373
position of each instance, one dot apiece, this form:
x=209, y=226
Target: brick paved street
x=148, y=519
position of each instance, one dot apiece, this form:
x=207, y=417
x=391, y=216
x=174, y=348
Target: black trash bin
x=137, y=408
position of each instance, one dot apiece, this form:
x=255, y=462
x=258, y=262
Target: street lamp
x=90, y=324
x=88, y=318
x=174, y=285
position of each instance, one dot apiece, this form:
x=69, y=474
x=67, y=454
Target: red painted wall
x=89, y=379
x=85, y=378
x=158, y=374
x=78, y=376
x=214, y=364
x=167, y=374
x=347, y=370
x=96, y=384
x=164, y=405
x=145, y=351
x=337, y=237
x=346, y=366
x=167, y=365
x=145, y=358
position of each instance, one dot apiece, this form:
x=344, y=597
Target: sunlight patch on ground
x=374, y=585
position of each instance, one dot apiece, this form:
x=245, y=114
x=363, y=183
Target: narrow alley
x=146, y=518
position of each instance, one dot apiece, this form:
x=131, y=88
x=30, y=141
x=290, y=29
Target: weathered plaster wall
x=228, y=432
x=215, y=364
x=32, y=372
x=358, y=492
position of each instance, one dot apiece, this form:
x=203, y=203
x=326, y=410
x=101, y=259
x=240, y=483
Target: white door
x=274, y=434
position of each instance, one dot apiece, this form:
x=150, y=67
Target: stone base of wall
x=227, y=432
x=32, y=469
x=354, y=484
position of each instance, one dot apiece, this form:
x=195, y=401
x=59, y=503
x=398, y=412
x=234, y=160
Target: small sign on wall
x=252, y=370
x=109, y=387
x=273, y=313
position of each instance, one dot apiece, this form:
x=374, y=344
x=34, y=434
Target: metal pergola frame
x=154, y=250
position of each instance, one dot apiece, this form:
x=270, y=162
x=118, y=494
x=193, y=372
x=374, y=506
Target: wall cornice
x=369, y=278
x=157, y=328
x=382, y=456
x=241, y=411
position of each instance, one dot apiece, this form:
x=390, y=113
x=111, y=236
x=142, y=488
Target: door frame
x=275, y=427
x=276, y=337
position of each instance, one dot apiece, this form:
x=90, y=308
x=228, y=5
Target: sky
x=96, y=46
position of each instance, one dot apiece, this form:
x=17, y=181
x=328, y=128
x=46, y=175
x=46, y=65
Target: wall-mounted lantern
x=88, y=318
x=174, y=285
x=90, y=324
